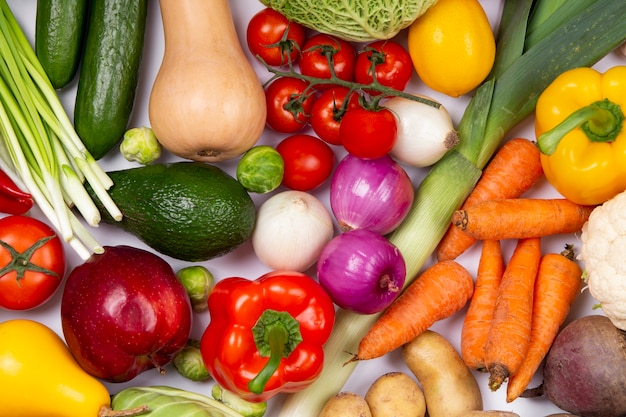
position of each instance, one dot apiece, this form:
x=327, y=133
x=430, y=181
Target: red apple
x=124, y=312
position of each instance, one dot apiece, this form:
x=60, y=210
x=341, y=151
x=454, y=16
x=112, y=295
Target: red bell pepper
x=12, y=199
x=266, y=336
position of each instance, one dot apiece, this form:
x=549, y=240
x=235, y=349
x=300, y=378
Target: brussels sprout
x=141, y=145
x=164, y=401
x=198, y=282
x=188, y=362
x=245, y=408
x=261, y=169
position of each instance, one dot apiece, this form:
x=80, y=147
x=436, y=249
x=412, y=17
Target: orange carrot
x=558, y=282
x=439, y=292
x=513, y=170
x=520, y=218
x=509, y=335
x=480, y=311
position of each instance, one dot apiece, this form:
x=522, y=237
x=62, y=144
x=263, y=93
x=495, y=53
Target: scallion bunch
x=39, y=143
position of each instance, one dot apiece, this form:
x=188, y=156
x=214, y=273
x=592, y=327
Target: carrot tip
x=459, y=219
x=497, y=374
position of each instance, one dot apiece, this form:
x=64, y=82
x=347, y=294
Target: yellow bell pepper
x=39, y=376
x=578, y=124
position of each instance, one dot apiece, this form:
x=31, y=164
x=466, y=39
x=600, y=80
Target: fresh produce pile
x=209, y=209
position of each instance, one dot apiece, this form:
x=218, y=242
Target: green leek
x=40, y=145
x=500, y=103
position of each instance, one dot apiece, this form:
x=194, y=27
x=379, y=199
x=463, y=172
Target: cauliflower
x=603, y=245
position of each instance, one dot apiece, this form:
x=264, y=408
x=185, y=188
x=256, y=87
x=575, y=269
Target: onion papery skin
x=291, y=230
x=373, y=194
x=362, y=271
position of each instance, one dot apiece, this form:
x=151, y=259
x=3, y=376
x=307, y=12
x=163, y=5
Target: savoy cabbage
x=353, y=20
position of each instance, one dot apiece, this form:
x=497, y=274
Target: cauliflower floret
x=603, y=246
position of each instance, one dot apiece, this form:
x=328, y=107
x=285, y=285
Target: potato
x=346, y=404
x=489, y=413
x=396, y=394
x=450, y=388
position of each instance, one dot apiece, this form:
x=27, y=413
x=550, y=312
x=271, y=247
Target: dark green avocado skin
x=191, y=211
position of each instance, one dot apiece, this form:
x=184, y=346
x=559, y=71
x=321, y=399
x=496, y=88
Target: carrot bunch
x=517, y=307
x=511, y=324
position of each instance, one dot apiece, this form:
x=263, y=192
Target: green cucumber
x=109, y=72
x=191, y=211
x=59, y=34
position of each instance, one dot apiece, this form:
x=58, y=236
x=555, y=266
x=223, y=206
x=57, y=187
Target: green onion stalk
x=40, y=145
x=536, y=42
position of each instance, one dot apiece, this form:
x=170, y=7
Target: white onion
x=425, y=133
x=292, y=228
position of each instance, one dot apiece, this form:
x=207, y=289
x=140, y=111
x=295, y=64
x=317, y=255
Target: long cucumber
x=109, y=72
x=59, y=35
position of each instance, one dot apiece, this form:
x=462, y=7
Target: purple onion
x=361, y=270
x=372, y=194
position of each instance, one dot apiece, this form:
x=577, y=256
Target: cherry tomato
x=368, y=134
x=32, y=262
x=388, y=60
x=308, y=161
x=316, y=51
x=273, y=38
x=289, y=101
x=328, y=110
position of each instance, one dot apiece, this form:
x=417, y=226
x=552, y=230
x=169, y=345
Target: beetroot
x=585, y=370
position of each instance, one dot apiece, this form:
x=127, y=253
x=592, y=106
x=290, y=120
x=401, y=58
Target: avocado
x=193, y=211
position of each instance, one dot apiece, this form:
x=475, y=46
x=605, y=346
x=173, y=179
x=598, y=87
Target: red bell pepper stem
x=276, y=335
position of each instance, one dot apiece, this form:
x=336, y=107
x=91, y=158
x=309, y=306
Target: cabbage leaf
x=353, y=20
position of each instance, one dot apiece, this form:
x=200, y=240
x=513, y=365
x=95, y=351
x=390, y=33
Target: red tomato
x=308, y=161
x=316, y=51
x=273, y=38
x=31, y=267
x=289, y=103
x=388, y=60
x=368, y=134
x=328, y=110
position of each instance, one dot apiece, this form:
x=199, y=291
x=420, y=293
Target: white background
x=242, y=262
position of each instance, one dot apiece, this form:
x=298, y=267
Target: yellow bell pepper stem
x=579, y=121
x=601, y=121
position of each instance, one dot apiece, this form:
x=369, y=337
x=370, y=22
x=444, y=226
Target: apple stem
x=106, y=411
x=158, y=367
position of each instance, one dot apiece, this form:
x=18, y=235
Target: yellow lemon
x=452, y=46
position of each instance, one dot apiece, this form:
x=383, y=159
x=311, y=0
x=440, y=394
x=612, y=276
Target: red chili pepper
x=12, y=199
x=266, y=336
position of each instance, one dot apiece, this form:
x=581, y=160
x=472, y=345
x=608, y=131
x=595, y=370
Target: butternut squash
x=207, y=103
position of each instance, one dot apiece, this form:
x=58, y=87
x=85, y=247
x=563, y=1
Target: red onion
x=361, y=270
x=373, y=194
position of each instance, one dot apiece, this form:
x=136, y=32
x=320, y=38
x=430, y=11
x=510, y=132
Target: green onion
x=520, y=75
x=40, y=145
